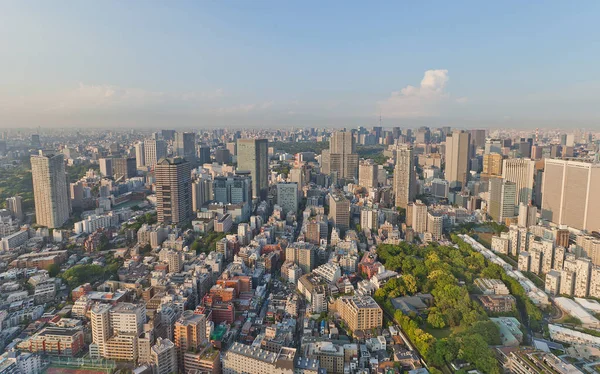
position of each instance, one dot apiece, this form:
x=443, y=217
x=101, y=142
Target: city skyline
x=268, y=64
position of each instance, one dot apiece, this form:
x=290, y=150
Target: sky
x=252, y=63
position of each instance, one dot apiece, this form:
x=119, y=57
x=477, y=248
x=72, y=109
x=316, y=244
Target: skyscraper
x=492, y=164
x=502, y=199
x=253, y=156
x=520, y=171
x=232, y=189
x=404, y=176
x=173, y=190
x=140, y=155
x=478, y=138
x=154, y=150
x=339, y=211
x=204, y=154
x=185, y=145
x=15, y=207
x=367, y=174
x=50, y=190
x=124, y=167
x=287, y=197
x=569, y=194
x=201, y=192
x=457, y=158
x=341, y=158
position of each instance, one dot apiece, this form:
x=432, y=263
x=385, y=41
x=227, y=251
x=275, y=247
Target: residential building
x=404, y=176
x=173, y=191
x=253, y=156
x=50, y=190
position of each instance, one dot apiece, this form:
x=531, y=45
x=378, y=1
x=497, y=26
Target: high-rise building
x=569, y=194
x=287, y=197
x=361, y=313
x=492, y=164
x=106, y=167
x=367, y=173
x=241, y=358
x=435, y=225
x=478, y=138
x=502, y=199
x=124, y=168
x=493, y=146
x=457, y=158
x=341, y=158
x=50, y=190
x=302, y=254
x=154, y=150
x=173, y=190
x=185, y=145
x=222, y=156
x=15, y=207
x=527, y=215
x=520, y=171
x=253, y=156
x=419, y=217
x=404, y=176
x=232, y=189
x=201, y=193
x=339, y=211
x=299, y=175
x=140, y=158
x=204, y=154
x=189, y=335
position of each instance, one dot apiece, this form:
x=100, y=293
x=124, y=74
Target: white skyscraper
x=520, y=171
x=287, y=197
x=154, y=150
x=140, y=157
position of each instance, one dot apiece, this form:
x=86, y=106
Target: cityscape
x=152, y=232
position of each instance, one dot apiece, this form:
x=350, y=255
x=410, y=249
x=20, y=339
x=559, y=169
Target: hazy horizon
x=272, y=64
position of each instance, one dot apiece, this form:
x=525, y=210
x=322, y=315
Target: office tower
x=341, y=158
x=232, y=189
x=423, y=135
x=232, y=147
x=164, y=356
x=525, y=147
x=369, y=218
x=435, y=225
x=367, y=174
x=201, y=193
x=140, y=159
x=493, y=145
x=339, y=211
x=287, y=197
x=457, y=158
x=50, y=190
x=527, y=215
x=520, y=171
x=419, y=217
x=222, y=156
x=106, y=167
x=492, y=164
x=253, y=156
x=204, y=154
x=502, y=199
x=377, y=131
x=185, y=145
x=168, y=135
x=299, y=175
x=15, y=207
x=478, y=138
x=124, y=168
x=154, y=150
x=404, y=176
x=536, y=152
x=35, y=141
x=569, y=194
x=173, y=190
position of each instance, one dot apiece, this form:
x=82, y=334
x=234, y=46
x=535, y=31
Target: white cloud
x=420, y=101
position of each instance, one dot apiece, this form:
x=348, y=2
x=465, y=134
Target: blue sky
x=285, y=63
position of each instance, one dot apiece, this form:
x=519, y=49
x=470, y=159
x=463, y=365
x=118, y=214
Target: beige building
x=419, y=217
x=341, y=158
x=189, y=334
x=164, y=357
x=492, y=164
x=360, y=313
x=173, y=191
x=521, y=172
x=457, y=158
x=241, y=358
x=367, y=173
x=404, y=176
x=50, y=190
x=435, y=225
x=154, y=150
x=569, y=194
